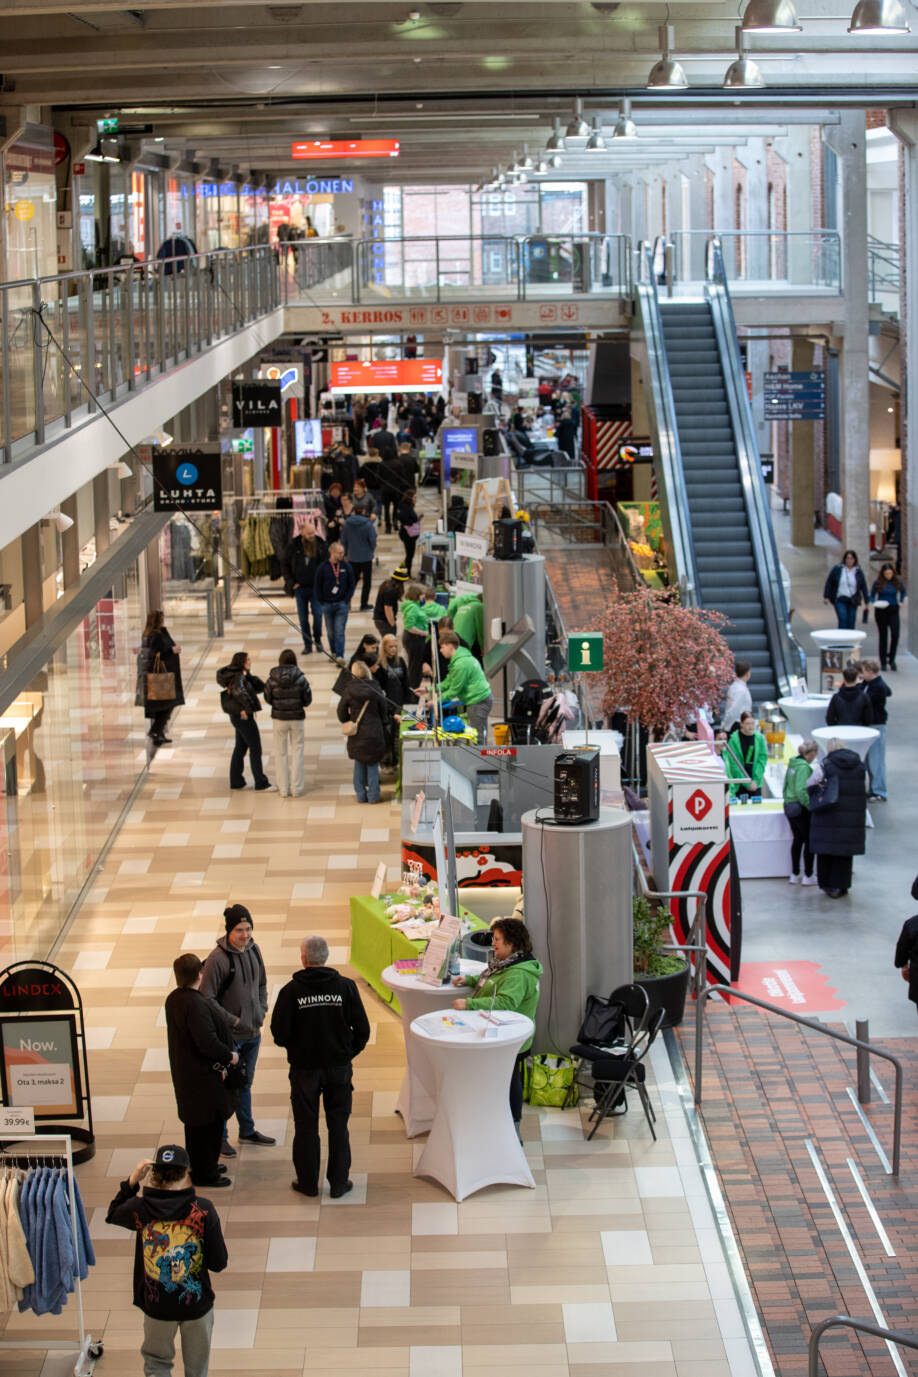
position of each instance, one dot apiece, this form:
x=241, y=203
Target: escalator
x=713, y=499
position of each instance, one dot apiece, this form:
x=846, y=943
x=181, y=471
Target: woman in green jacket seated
x=745, y=755
x=511, y=981
x=797, y=811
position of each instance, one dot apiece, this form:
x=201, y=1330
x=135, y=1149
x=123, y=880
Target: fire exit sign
x=584, y=651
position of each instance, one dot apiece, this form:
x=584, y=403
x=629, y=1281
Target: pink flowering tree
x=663, y=661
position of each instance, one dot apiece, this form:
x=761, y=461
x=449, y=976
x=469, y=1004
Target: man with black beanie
x=321, y=1022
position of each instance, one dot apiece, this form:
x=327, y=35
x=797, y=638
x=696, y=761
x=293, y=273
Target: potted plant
x=663, y=974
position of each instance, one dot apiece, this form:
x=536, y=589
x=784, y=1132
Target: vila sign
x=698, y=812
x=256, y=404
x=187, y=479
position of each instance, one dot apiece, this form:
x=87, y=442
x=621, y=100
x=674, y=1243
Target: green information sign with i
x=584, y=651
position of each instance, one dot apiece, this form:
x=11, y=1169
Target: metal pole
x=897, y=1121
x=862, y=1033
x=699, y=1034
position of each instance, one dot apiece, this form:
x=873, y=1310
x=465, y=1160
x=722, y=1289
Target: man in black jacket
x=850, y=706
x=302, y=558
x=178, y=1243
x=906, y=957
x=321, y=1022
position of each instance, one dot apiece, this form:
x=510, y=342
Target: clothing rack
x=90, y=1350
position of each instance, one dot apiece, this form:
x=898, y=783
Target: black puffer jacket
x=368, y=746
x=288, y=692
x=849, y=707
x=200, y=1042
x=240, y=691
x=842, y=829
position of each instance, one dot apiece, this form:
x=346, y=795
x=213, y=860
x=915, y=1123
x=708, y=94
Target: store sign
x=398, y=375
x=187, y=479
x=795, y=396
x=40, y=1066
x=289, y=375
x=256, y=404
x=344, y=148
x=499, y=751
x=698, y=813
x=599, y=313
x=32, y=990
x=473, y=546
x=584, y=652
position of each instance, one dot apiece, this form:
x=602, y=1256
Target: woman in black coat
x=157, y=641
x=409, y=526
x=200, y=1050
x=839, y=832
x=364, y=702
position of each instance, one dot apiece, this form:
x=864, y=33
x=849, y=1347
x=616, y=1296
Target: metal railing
x=109, y=332
x=697, y=932
x=884, y=274
x=856, y=1043
x=892, y=1336
x=793, y=260
x=538, y=485
x=580, y=522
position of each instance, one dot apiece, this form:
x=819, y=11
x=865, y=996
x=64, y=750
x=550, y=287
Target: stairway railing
x=868, y=1047
x=892, y=1336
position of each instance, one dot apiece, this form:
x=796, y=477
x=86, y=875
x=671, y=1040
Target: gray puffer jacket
x=237, y=980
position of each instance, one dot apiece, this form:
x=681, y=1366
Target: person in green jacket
x=745, y=755
x=797, y=811
x=467, y=613
x=466, y=682
x=511, y=982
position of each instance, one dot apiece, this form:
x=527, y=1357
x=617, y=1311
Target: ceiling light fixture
x=527, y=163
x=578, y=127
x=596, y=143
x=122, y=469
x=879, y=17
x=743, y=73
x=771, y=16
x=667, y=74
x=556, y=142
x=625, y=128
x=62, y=522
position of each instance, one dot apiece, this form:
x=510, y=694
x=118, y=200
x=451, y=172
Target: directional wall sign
x=795, y=396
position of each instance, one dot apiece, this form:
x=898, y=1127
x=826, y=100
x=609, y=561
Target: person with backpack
x=289, y=694
x=235, y=978
x=239, y=700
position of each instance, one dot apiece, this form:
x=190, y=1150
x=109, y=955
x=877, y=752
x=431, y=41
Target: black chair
x=609, y=1026
x=613, y=1075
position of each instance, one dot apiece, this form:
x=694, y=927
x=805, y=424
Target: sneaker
x=793, y=879
x=227, y=1150
x=266, y=788
x=340, y=660
x=214, y=1184
x=809, y=880
x=256, y=1137
x=302, y=1190
x=336, y=1192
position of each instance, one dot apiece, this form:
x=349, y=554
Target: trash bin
x=476, y=945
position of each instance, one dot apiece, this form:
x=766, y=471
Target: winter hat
x=400, y=575
x=171, y=1155
x=236, y=913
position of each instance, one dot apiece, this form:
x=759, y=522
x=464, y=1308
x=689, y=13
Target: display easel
x=489, y=495
x=89, y=1350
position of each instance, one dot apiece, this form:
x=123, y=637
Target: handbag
x=825, y=794
x=549, y=1080
x=237, y=1077
x=160, y=683
x=414, y=530
x=603, y=1023
x=350, y=728
x=793, y=809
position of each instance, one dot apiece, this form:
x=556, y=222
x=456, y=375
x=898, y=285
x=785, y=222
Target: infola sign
x=698, y=812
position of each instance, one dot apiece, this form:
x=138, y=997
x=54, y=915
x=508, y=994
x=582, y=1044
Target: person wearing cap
x=320, y=1021
x=234, y=976
x=178, y=1243
x=388, y=596
x=200, y=1050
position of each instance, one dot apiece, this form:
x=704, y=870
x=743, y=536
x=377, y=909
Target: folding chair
x=609, y=1026
x=613, y=1075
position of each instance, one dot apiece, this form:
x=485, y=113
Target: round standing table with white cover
x=473, y=1140
x=836, y=639
x=858, y=739
x=804, y=715
x=417, y=1097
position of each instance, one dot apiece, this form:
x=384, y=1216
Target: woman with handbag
x=845, y=588
x=838, y=816
x=363, y=713
x=797, y=811
x=887, y=595
x=161, y=677
x=409, y=526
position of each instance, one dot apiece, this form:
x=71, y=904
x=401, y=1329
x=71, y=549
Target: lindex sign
x=584, y=652
x=256, y=404
x=33, y=989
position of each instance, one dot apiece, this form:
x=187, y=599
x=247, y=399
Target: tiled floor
x=601, y=1264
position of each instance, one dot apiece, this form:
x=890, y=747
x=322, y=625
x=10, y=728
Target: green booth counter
x=375, y=944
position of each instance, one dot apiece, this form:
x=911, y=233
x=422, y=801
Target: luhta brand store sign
x=187, y=479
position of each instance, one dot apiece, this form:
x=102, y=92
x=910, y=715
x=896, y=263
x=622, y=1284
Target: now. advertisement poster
x=39, y=1066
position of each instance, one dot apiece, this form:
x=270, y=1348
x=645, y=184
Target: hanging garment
x=58, y=1245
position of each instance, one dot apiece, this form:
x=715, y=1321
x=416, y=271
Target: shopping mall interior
x=585, y=327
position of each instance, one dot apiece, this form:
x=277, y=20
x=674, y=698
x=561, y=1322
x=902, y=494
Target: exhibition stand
x=376, y=944
x=578, y=894
x=473, y=1140
x=512, y=589
x=417, y=1097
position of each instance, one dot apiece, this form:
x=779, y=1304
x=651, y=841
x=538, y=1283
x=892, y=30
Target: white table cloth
x=858, y=739
x=761, y=839
x=417, y=1097
x=836, y=639
x=805, y=714
x=473, y=1140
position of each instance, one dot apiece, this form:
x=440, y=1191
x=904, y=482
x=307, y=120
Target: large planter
x=667, y=992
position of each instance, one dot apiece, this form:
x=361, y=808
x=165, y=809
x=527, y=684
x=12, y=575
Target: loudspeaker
x=508, y=538
x=490, y=442
x=577, y=786
x=475, y=402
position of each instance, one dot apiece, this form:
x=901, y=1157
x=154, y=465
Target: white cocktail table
x=805, y=714
x=837, y=639
x=858, y=739
x=417, y=1097
x=473, y=1140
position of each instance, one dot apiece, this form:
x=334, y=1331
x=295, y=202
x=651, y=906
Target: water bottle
x=452, y=964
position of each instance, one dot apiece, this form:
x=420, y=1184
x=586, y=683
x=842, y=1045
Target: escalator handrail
x=787, y=654
x=665, y=430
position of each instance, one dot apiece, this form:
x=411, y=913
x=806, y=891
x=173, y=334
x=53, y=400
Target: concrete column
x=721, y=164
x=692, y=266
x=153, y=576
x=794, y=148
x=802, y=457
x=32, y=574
x=754, y=159
x=848, y=139
x=101, y=512
x=904, y=124
x=70, y=543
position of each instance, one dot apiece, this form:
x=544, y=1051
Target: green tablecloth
x=375, y=944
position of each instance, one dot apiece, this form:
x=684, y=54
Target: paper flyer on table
x=433, y=962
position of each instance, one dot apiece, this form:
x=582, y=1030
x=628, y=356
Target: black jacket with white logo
x=320, y=1020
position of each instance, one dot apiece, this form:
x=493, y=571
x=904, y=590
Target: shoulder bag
x=825, y=795
x=160, y=683
x=350, y=728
